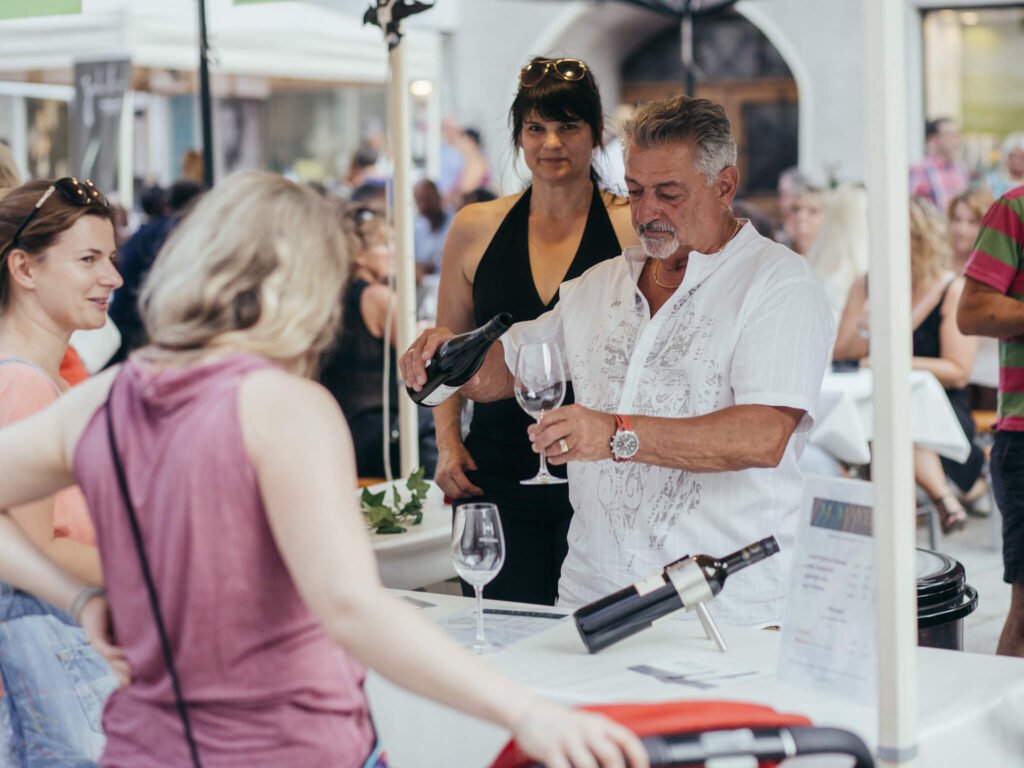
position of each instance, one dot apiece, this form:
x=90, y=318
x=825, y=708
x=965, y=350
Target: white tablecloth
x=421, y=555
x=845, y=417
x=968, y=705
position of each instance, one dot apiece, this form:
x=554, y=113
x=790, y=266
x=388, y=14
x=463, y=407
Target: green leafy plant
x=384, y=517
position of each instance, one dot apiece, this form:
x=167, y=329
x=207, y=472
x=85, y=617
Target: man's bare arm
x=735, y=438
x=984, y=311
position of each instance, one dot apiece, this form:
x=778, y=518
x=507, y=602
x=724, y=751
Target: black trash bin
x=944, y=600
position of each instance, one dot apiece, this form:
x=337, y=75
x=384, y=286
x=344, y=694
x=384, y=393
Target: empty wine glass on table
x=478, y=552
x=539, y=388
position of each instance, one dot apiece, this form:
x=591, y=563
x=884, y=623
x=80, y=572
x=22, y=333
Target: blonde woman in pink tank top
x=240, y=471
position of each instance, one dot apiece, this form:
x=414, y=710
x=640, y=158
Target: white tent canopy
x=294, y=40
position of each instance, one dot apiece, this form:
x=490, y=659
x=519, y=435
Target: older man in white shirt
x=696, y=360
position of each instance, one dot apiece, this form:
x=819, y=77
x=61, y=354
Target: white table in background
x=421, y=555
x=845, y=417
x=968, y=705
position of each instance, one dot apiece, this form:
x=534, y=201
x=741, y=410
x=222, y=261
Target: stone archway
x=765, y=93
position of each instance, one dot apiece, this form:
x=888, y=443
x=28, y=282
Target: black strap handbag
x=147, y=574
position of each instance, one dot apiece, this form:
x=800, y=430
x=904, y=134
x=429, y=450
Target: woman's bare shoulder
x=477, y=217
x=956, y=287
x=473, y=229
x=622, y=222
x=273, y=403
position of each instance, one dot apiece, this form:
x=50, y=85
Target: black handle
x=683, y=750
x=818, y=741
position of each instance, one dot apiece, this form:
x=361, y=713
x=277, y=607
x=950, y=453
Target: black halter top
x=504, y=283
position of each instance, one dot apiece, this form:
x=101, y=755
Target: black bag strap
x=147, y=574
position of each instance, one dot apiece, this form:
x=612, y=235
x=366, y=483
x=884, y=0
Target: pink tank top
x=265, y=685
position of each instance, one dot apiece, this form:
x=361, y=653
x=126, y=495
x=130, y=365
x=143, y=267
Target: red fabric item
x=665, y=717
x=72, y=370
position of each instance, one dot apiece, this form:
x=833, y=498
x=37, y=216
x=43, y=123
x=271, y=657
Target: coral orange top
x=72, y=369
x=24, y=390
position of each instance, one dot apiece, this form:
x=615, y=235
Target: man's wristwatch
x=624, y=442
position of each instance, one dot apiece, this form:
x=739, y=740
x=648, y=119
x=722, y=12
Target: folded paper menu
x=828, y=636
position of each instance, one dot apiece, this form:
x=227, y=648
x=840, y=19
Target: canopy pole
x=205, y=100
x=405, y=272
x=892, y=464
x=126, y=149
x=388, y=15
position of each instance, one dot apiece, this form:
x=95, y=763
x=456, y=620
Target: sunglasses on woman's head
x=563, y=69
x=81, y=193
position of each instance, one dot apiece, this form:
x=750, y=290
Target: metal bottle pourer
x=694, y=591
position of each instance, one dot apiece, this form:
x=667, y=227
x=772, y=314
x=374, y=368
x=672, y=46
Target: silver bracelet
x=83, y=597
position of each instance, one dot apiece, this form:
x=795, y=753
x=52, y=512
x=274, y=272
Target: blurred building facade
x=300, y=85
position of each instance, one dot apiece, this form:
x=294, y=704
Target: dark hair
x=478, y=195
x=154, y=201
x=370, y=190
x=931, y=128
x=55, y=217
x=364, y=157
x=474, y=135
x=553, y=98
x=182, y=194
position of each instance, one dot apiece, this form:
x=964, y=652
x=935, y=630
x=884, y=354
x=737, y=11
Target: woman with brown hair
x=58, y=272
x=511, y=255
x=240, y=582
x=965, y=214
x=938, y=347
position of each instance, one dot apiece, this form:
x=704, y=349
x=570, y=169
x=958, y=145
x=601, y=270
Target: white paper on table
x=699, y=674
x=828, y=636
x=502, y=626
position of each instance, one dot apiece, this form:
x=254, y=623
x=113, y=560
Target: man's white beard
x=659, y=248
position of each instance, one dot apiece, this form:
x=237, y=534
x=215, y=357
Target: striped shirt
x=998, y=262
x=938, y=180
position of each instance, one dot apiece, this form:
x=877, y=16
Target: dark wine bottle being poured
x=457, y=360
x=685, y=583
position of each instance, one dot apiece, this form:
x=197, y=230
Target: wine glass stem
x=480, y=641
x=543, y=464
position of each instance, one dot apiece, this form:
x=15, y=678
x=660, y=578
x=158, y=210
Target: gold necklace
x=657, y=262
x=654, y=274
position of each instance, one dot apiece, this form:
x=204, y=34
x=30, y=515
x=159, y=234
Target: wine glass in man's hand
x=539, y=388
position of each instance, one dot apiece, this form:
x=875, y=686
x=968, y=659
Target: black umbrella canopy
x=679, y=7
x=682, y=7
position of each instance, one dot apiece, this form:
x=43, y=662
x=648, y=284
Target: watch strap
x=622, y=424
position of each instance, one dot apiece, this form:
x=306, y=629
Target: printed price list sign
x=828, y=637
x=503, y=627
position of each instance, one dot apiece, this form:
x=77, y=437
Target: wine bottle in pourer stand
x=686, y=583
x=457, y=360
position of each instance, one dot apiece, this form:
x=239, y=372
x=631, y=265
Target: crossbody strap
x=165, y=643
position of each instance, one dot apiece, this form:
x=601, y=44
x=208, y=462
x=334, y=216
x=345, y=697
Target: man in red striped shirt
x=992, y=304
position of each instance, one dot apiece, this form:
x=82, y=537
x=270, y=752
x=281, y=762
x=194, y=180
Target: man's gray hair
x=681, y=119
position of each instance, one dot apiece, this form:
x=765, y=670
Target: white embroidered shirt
x=749, y=325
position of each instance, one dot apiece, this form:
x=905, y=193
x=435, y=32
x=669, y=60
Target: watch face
x=625, y=445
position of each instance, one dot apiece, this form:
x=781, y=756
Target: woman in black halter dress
x=510, y=255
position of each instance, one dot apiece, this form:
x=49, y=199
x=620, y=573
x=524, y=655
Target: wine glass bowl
x=539, y=388
x=478, y=552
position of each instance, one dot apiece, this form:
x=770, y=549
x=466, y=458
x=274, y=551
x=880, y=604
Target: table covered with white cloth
x=968, y=705
x=844, y=423
x=422, y=555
